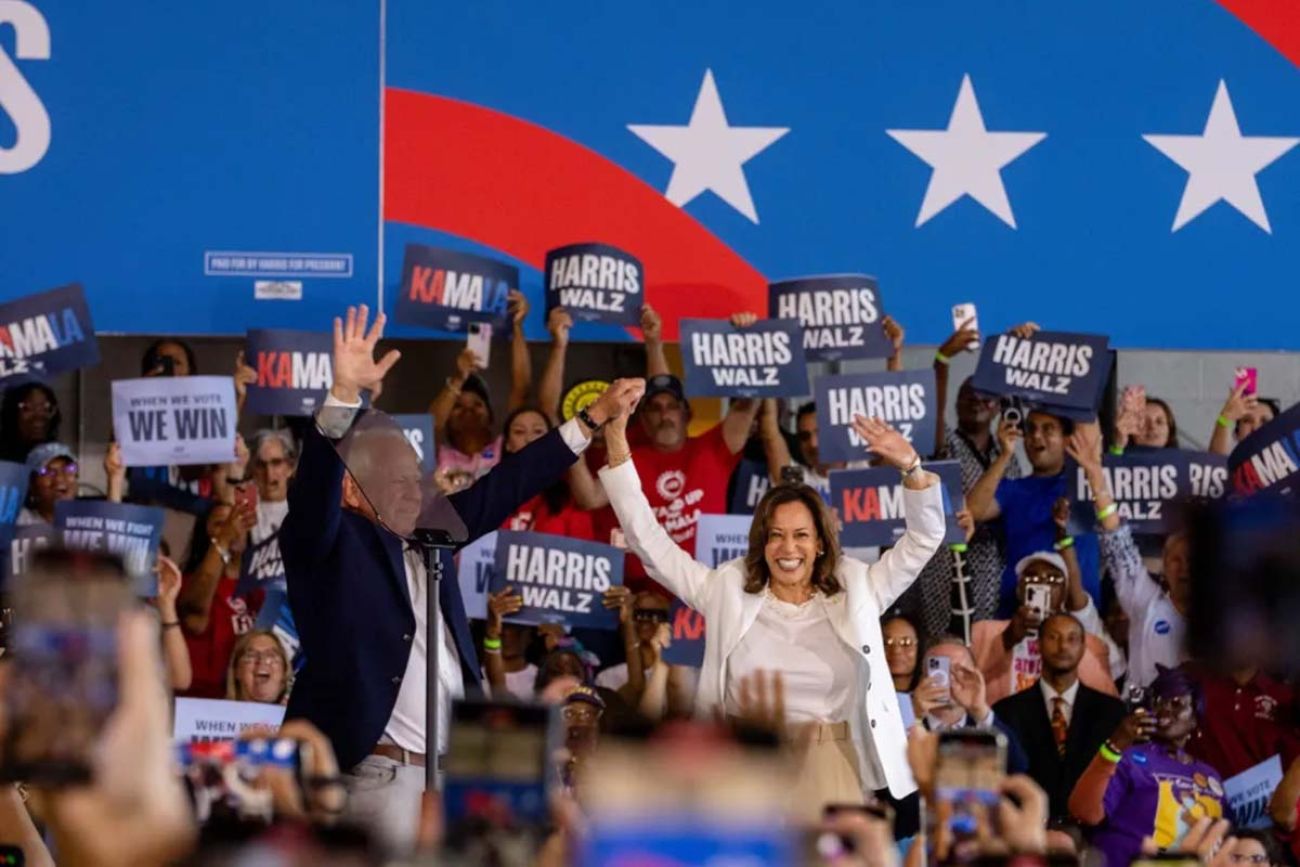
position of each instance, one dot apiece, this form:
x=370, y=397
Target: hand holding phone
x=939, y=670
x=964, y=318
x=479, y=342
x=1247, y=377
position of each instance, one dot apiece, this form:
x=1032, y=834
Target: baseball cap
x=585, y=694
x=664, y=383
x=42, y=454
x=1047, y=557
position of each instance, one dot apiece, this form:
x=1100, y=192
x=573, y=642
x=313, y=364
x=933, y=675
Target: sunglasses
x=900, y=642
x=650, y=615
x=68, y=469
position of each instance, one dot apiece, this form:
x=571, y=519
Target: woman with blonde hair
x=797, y=608
x=259, y=669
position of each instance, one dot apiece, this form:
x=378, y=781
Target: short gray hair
x=280, y=435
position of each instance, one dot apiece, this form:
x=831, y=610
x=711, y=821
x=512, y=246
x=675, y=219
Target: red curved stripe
x=522, y=190
x=1278, y=21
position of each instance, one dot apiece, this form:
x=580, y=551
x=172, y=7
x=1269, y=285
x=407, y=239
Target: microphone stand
x=432, y=542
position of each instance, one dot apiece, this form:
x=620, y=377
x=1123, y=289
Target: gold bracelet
x=615, y=459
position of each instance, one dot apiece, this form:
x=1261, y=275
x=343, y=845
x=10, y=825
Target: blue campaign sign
x=25, y=542
x=276, y=617
x=763, y=360
x=1268, y=459
x=130, y=532
x=719, y=538
x=418, y=428
x=870, y=503
x=840, y=314
x=47, y=333
x=750, y=482
x=175, y=420
x=562, y=580
x=595, y=283
x=1051, y=367
x=294, y=370
x=1207, y=475
x=446, y=290
x=261, y=567
x=13, y=493
x=904, y=398
x=1146, y=484
x=688, y=633
x=687, y=838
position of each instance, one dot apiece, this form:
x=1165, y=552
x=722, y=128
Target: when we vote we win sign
x=175, y=420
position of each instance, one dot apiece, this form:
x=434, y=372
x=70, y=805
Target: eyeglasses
x=900, y=642
x=35, y=408
x=650, y=615
x=252, y=657
x=69, y=470
x=580, y=713
x=1044, y=578
x=1258, y=858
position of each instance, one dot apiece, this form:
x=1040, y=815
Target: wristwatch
x=914, y=468
x=221, y=551
x=586, y=419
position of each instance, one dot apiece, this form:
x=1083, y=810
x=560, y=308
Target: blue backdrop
x=181, y=129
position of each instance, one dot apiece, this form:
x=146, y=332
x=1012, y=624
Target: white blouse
x=821, y=674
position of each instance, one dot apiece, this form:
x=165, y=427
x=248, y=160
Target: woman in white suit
x=796, y=607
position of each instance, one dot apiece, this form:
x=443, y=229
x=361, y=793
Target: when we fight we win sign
x=595, y=283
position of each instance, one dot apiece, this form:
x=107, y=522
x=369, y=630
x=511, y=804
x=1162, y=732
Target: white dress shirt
x=819, y=671
x=1050, y=694
x=934, y=724
x=406, y=727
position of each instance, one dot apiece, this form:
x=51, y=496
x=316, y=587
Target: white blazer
x=719, y=594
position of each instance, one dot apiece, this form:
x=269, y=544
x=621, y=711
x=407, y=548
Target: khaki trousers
x=826, y=770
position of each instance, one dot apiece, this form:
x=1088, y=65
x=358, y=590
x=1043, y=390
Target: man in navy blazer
x=357, y=591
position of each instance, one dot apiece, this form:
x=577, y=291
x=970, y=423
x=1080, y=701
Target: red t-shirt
x=536, y=516
x=680, y=486
x=231, y=617
x=1244, y=725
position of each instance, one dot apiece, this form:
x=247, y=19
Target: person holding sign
x=350, y=575
x=1025, y=505
x=462, y=410
x=1157, y=616
x=795, y=606
x=54, y=479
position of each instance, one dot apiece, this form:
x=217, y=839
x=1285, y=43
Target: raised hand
x=500, y=605
x=617, y=402
x=886, y=442
x=517, y=307
x=466, y=363
x=1025, y=330
x=1008, y=435
x=966, y=521
x=894, y=332
x=743, y=319
x=1238, y=403
x=558, y=322
x=169, y=587
x=244, y=377
x=652, y=327
x=619, y=598
x=1061, y=513
x=1136, y=728
x=1084, y=445
x=355, y=367
x=960, y=340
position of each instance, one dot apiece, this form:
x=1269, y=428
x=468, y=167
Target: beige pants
x=826, y=764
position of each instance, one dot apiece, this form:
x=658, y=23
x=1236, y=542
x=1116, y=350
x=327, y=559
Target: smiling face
x=1155, y=427
x=974, y=411
x=1044, y=443
x=792, y=545
x=524, y=428
x=900, y=647
x=260, y=672
x=53, y=483
x=1175, y=717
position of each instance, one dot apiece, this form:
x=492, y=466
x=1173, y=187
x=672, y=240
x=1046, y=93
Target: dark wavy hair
x=11, y=447
x=1172, y=441
x=918, y=627
x=557, y=494
x=149, y=361
x=757, y=574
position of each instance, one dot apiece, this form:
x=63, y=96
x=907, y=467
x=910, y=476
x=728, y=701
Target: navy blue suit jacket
x=348, y=591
